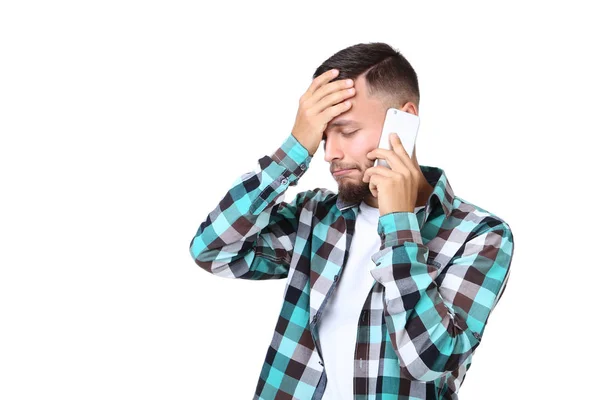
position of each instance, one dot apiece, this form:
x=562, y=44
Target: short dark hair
x=389, y=75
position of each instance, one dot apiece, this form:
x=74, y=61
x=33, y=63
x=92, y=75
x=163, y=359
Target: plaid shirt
x=438, y=274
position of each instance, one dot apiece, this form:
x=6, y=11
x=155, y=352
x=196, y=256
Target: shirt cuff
x=395, y=228
x=293, y=156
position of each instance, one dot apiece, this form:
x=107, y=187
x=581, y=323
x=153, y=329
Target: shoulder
x=477, y=220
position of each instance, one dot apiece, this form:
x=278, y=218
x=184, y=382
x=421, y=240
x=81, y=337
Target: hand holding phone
x=406, y=125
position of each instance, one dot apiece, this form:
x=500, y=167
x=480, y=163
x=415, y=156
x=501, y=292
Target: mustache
x=338, y=167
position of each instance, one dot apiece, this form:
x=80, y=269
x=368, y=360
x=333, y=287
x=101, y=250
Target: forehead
x=365, y=109
x=340, y=122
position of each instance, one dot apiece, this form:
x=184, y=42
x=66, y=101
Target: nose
x=332, y=148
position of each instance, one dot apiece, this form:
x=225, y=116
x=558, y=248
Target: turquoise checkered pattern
x=438, y=275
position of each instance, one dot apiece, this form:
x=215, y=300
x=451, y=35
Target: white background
x=124, y=123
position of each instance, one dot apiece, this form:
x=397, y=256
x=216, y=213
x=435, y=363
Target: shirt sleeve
x=251, y=232
x=436, y=320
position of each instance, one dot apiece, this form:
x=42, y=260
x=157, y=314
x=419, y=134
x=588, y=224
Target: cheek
x=360, y=147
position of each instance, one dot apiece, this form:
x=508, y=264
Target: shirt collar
x=442, y=192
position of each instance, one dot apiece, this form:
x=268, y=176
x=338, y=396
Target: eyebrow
x=341, y=122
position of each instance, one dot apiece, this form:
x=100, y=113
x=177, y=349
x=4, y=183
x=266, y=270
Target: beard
x=351, y=191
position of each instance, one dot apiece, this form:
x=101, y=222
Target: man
x=390, y=281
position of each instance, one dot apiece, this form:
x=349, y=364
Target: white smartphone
x=406, y=125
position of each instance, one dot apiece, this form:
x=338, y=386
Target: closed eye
x=343, y=134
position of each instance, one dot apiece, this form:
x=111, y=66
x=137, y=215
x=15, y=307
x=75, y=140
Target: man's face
x=349, y=137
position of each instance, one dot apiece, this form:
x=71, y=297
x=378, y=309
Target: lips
x=343, y=171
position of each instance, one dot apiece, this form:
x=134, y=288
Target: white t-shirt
x=337, y=329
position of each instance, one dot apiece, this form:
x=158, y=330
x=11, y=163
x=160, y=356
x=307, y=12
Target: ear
x=410, y=107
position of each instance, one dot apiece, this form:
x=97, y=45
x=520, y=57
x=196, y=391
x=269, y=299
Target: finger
x=335, y=96
x=336, y=110
x=375, y=175
x=321, y=80
x=398, y=147
x=381, y=170
x=373, y=182
x=392, y=158
x=333, y=87
x=373, y=190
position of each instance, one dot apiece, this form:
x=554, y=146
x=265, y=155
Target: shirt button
x=284, y=181
x=302, y=167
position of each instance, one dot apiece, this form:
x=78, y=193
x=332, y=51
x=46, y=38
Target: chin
x=354, y=192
